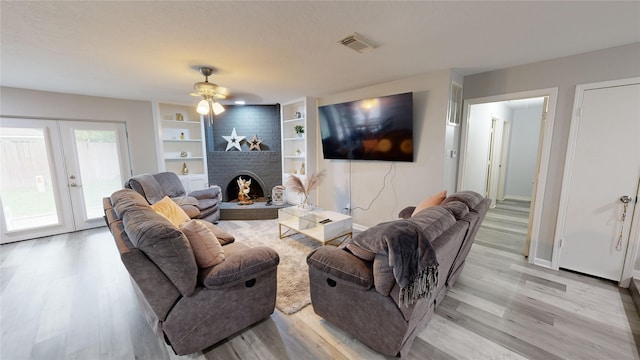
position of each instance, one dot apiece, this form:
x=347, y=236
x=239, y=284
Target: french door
x=55, y=174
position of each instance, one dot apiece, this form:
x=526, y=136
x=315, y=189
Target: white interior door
x=603, y=164
x=55, y=174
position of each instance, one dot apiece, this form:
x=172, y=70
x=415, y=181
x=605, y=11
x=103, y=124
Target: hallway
x=505, y=226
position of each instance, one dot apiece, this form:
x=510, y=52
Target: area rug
x=293, y=273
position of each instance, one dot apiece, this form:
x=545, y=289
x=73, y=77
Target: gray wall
x=136, y=114
x=523, y=152
x=474, y=173
x=563, y=73
x=380, y=189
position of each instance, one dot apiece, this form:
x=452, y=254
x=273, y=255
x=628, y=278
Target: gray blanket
x=411, y=256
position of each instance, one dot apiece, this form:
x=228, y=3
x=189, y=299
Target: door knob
x=625, y=199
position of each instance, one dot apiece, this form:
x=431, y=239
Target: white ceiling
x=269, y=52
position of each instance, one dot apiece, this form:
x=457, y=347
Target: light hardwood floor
x=69, y=297
x=505, y=226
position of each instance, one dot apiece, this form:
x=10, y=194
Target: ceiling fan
x=209, y=92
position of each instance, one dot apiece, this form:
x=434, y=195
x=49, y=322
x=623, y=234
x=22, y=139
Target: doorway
x=55, y=174
x=505, y=148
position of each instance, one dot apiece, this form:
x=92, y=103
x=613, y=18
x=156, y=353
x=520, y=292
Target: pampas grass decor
x=313, y=181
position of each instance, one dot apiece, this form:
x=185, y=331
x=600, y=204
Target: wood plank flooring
x=505, y=226
x=69, y=297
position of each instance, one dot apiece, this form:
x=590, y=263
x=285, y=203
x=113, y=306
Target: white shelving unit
x=182, y=142
x=298, y=151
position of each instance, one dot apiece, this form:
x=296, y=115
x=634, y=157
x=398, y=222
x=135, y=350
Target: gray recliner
x=200, y=204
x=188, y=306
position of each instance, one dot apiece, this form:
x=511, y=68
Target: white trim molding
x=544, y=153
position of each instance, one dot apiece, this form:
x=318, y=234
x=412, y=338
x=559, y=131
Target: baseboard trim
x=518, y=198
x=636, y=274
x=359, y=227
x=542, y=263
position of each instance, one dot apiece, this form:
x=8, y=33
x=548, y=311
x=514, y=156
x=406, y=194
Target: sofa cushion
x=458, y=209
x=204, y=204
x=209, y=193
x=469, y=198
x=240, y=267
x=222, y=236
x=206, y=247
x=360, y=252
x=147, y=186
x=433, y=200
x=127, y=199
x=170, y=210
x=165, y=245
x=170, y=184
x=342, y=265
x=406, y=212
x=383, y=278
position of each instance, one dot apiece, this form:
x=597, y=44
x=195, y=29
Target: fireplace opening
x=256, y=193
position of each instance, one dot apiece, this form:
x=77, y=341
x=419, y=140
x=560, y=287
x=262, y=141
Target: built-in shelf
x=298, y=151
x=182, y=136
x=184, y=158
x=185, y=140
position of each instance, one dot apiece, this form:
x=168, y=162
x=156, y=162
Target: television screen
x=378, y=128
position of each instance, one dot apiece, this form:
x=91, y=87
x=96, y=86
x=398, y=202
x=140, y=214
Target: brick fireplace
x=264, y=167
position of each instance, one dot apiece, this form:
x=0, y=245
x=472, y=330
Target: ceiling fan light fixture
x=217, y=108
x=209, y=92
x=203, y=107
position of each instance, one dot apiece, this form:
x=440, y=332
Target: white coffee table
x=314, y=224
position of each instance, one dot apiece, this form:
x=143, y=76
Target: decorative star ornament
x=254, y=144
x=233, y=140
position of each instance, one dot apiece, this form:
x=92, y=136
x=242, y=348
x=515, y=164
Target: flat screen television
x=379, y=128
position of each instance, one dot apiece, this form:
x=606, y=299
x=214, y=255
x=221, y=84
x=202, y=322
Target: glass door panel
x=99, y=168
x=27, y=195
x=30, y=191
x=96, y=156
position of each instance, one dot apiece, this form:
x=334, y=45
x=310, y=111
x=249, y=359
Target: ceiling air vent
x=356, y=42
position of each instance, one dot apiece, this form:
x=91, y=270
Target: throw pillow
x=170, y=210
x=433, y=200
x=206, y=247
x=223, y=237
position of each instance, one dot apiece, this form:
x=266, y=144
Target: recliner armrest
x=240, y=267
x=342, y=265
x=208, y=193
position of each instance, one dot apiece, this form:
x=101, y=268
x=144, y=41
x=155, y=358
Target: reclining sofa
x=200, y=204
x=189, y=306
x=356, y=289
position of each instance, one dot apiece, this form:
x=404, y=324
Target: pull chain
x=622, y=218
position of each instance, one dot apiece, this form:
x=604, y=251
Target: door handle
x=625, y=199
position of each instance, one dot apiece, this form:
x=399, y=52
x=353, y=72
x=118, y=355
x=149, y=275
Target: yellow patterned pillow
x=169, y=209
